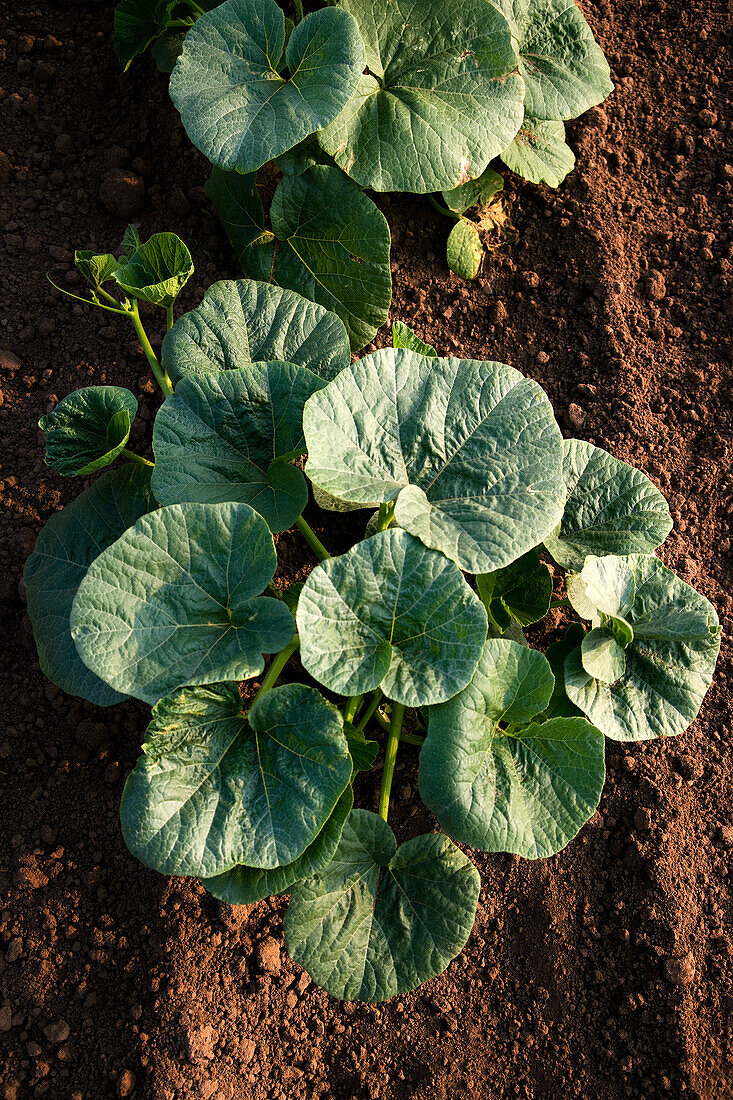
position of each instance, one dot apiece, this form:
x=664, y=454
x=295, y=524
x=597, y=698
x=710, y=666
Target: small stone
x=200, y=1043
x=268, y=956
x=643, y=820
x=707, y=119
x=656, y=288
x=726, y=836
x=680, y=971
x=126, y=1083
x=122, y=193
x=64, y=145
x=9, y=363
x=15, y=950
x=57, y=1032
x=576, y=416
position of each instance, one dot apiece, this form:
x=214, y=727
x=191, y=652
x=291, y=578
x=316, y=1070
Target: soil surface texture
x=603, y=973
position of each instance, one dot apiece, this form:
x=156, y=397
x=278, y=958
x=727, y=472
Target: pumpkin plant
x=158, y=582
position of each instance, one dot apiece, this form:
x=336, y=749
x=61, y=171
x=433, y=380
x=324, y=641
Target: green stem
x=386, y=515
x=352, y=705
x=169, y=318
x=408, y=738
x=278, y=663
x=180, y=24
x=136, y=458
x=194, y=7
x=298, y=8
x=312, y=539
x=560, y=603
x=390, y=757
x=443, y=209
x=161, y=376
x=86, y=301
x=375, y=700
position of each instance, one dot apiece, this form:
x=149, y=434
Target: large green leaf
x=379, y=920
x=563, y=66
x=245, y=885
x=230, y=435
x=513, y=787
x=244, y=322
x=439, y=100
x=176, y=601
x=469, y=451
x=539, y=153
x=669, y=662
x=88, y=429
x=235, y=106
x=332, y=243
x=137, y=24
x=157, y=271
x=612, y=508
x=390, y=613
x=65, y=549
x=214, y=789
x=521, y=591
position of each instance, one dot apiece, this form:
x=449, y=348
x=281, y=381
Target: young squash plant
x=380, y=95
x=157, y=582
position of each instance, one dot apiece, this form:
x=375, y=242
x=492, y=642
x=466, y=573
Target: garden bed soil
x=605, y=972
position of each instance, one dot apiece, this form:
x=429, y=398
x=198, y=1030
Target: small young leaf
x=246, y=885
x=522, y=590
x=176, y=601
x=157, y=271
x=65, y=549
x=137, y=24
x=476, y=192
x=379, y=920
x=214, y=789
x=243, y=322
x=130, y=242
x=464, y=250
x=563, y=66
x=526, y=789
x=669, y=662
x=440, y=99
x=235, y=107
x=363, y=752
x=88, y=429
x=470, y=452
x=404, y=337
x=219, y=436
x=96, y=267
x=601, y=655
x=539, y=153
x=611, y=508
x=390, y=613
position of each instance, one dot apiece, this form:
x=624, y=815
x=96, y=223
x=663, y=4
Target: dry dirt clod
x=122, y=192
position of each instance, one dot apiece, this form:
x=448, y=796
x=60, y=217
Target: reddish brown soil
x=601, y=974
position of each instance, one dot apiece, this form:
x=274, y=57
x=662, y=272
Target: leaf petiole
x=386, y=515
x=298, y=9
x=560, y=603
x=312, y=539
x=352, y=706
x=161, y=376
x=443, y=209
x=278, y=663
x=136, y=458
x=374, y=702
x=390, y=757
x=88, y=301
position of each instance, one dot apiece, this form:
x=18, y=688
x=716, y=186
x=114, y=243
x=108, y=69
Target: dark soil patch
x=602, y=973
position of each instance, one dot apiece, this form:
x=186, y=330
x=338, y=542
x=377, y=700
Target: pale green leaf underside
x=234, y=105
x=464, y=249
x=214, y=789
x=245, y=321
x=379, y=920
x=157, y=271
x=612, y=508
x=88, y=429
x=216, y=438
x=525, y=790
x=441, y=97
x=470, y=451
x=65, y=549
x=669, y=663
x=539, y=153
x=246, y=885
x=176, y=601
x=392, y=614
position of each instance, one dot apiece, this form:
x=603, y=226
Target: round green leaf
x=464, y=250
x=470, y=452
x=539, y=153
x=390, y=613
x=612, y=508
x=244, y=321
x=157, y=271
x=379, y=920
x=601, y=655
x=175, y=601
x=563, y=66
x=246, y=885
x=235, y=107
x=64, y=550
x=526, y=789
x=669, y=663
x=214, y=789
x=88, y=429
x=218, y=437
x=521, y=591
x=440, y=99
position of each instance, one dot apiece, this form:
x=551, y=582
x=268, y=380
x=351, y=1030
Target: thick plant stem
x=390, y=757
x=160, y=375
x=405, y=738
x=560, y=603
x=312, y=539
x=279, y=662
x=444, y=209
x=298, y=9
x=136, y=458
x=352, y=706
x=169, y=318
x=372, y=705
